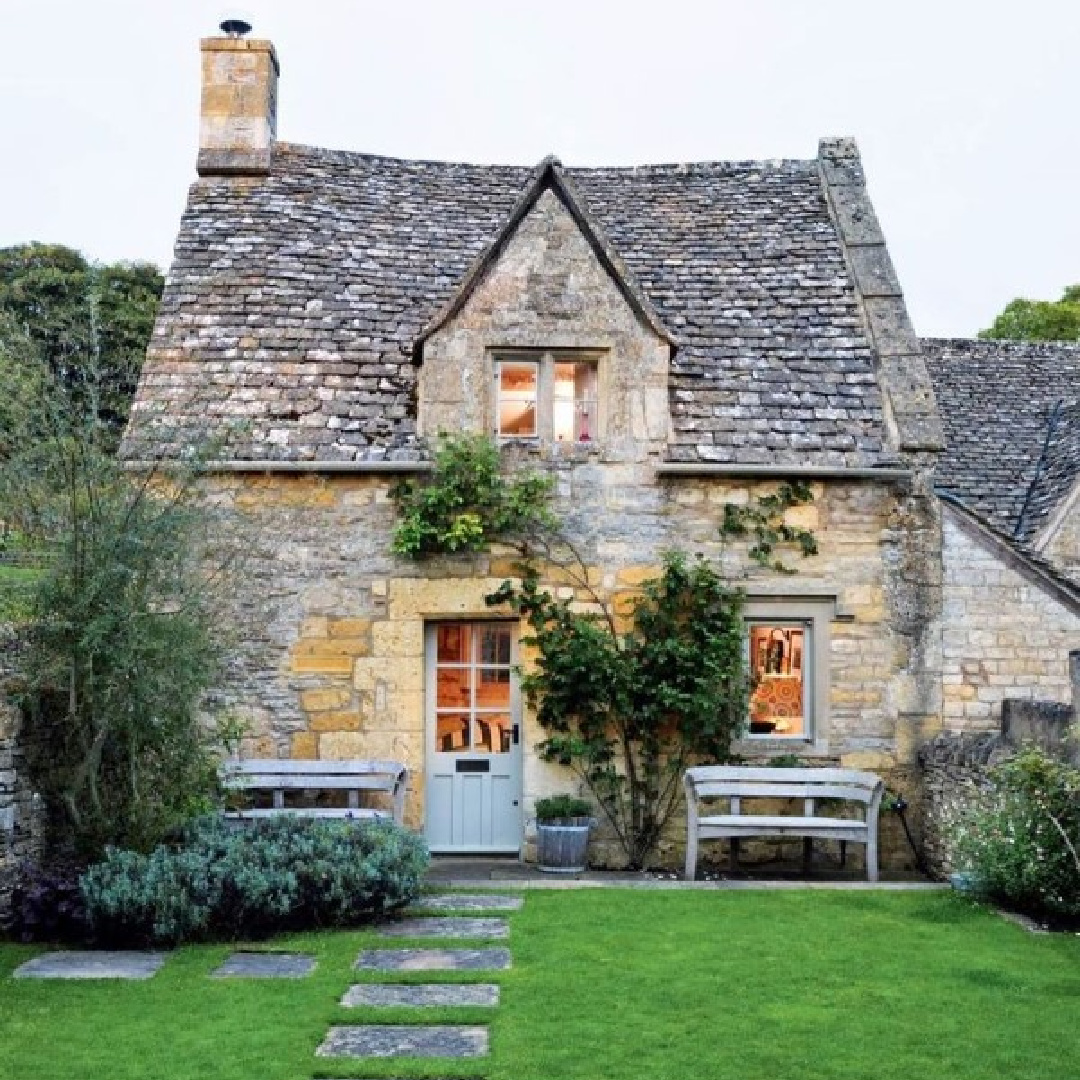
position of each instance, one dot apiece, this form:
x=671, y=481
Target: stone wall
x=954, y=765
x=1063, y=550
x=330, y=658
x=1004, y=636
x=21, y=815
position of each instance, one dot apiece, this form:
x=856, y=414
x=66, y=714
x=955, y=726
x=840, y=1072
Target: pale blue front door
x=473, y=740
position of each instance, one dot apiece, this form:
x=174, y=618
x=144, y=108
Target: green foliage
x=90, y=322
x=468, y=502
x=628, y=711
x=1021, y=838
x=1039, y=320
x=120, y=626
x=763, y=520
x=224, y=882
x=561, y=808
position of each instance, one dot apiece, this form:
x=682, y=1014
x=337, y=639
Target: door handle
x=515, y=734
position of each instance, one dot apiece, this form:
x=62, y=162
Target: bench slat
x=318, y=767
x=301, y=782
x=314, y=811
x=851, y=777
x=762, y=790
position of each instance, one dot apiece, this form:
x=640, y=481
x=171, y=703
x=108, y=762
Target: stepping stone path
x=434, y=959
x=440, y=927
x=468, y=902
x=404, y=1040
x=422, y=996
x=359, y=1041
x=265, y=965
x=91, y=965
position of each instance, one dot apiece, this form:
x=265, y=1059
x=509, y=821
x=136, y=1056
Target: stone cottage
x=664, y=339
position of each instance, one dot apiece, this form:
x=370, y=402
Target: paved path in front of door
x=357, y=1042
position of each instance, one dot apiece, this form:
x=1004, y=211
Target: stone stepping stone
x=434, y=959
x=469, y=902
x=72, y=964
x=404, y=1040
x=265, y=965
x=435, y=926
x=422, y=996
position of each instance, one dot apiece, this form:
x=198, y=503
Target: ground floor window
x=781, y=703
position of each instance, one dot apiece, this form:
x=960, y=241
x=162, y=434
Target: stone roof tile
x=1011, y=411
x=294, y=300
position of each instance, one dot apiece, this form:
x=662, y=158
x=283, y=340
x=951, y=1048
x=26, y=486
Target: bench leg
x=843, y=854
x=807, y=853
x=733, y=854
x=691, y=856
x=871, y=856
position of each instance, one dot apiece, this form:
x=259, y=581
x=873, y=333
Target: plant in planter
x=563, y=823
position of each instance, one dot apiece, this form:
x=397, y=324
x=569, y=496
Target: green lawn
x=616, y=984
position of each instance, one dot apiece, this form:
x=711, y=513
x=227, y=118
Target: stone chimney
x=239, y=106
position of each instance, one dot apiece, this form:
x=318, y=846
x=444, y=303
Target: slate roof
x=1011, y=411
x=295, y=301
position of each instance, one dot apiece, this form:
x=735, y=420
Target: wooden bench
x=279, y=777
x=738, y=782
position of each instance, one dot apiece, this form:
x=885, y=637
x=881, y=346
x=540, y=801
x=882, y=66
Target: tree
x=89, y=322
x=121, y=631
x=1039, y=320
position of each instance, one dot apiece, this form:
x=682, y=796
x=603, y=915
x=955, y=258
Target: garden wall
x=955, y=764
x=21, y=815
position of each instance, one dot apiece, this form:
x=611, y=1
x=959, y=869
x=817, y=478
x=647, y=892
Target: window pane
x=493, y=688
x=454, y=643
x=574, y=401
x=495, y=645
x=452, y=733
x=454, y=685
x=777, y=667
x=517, y=398
x=492, y=734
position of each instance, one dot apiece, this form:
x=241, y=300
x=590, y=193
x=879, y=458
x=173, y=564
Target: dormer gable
x=549, y=325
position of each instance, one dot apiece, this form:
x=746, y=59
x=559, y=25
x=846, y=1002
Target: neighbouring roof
x=1011, y=411
x=295, y=302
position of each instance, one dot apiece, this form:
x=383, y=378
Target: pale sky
x=966, y=111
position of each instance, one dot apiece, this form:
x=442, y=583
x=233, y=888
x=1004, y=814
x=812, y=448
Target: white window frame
x=545, y=361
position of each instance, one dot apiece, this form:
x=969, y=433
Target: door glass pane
x=452, y=733
x=454, y=642
x=517, y=398
x=493, y=688
x=492, y=733
x=777, y=668
x=454, y=688
x=494, y=645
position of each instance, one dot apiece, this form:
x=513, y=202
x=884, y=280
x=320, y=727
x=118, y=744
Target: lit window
x=573, y=404
x=551, y=397
x=518, y=384
x=779, y=671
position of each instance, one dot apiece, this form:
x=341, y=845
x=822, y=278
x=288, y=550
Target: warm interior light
x=777, y=665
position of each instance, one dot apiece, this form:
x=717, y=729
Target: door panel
x=473, y=753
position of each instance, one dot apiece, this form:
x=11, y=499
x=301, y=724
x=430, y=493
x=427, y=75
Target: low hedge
x=223, y=882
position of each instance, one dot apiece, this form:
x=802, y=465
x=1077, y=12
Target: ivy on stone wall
x=763, y=521
x=469, y=501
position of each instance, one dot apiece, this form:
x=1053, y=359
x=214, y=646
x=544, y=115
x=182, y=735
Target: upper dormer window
x=547, y=395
